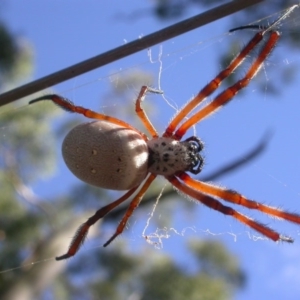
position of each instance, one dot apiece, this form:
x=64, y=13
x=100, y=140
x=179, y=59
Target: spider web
x=180, y=71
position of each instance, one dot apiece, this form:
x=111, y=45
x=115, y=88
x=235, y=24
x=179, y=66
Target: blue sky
x=66, y=32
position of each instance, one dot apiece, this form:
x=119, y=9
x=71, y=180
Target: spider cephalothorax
x=168, y=156
x=111, y=153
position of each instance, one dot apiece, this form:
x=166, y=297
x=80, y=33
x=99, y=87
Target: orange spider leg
x=69, y=106
x=236, y=198
x=229, y=93
x=140, y=111
x=84, y=228
x=132, y=206
x=213, y=85
x=226, y=210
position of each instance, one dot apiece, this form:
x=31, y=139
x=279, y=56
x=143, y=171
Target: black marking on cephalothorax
x=168, y=156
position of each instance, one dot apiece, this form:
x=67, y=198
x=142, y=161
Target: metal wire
x=126, y=50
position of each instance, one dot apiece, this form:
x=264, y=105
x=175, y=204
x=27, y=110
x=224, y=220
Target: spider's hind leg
x=84, y=228
x=237, y=198
x=215, y=204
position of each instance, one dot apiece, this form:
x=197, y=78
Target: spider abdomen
x=106, y=155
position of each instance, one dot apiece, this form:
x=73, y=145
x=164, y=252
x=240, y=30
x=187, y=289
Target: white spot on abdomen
x=106, y=155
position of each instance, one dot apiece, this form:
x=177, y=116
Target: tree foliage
x=15, y=57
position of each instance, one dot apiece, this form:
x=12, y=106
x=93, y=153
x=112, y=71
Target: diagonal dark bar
x=126, y=50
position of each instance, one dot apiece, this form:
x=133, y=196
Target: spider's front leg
x=224, y=97
x=212, y=203
x=140, y=111
x=213, y=85
x=237, y=198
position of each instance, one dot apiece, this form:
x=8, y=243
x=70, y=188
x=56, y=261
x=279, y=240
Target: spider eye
x=193, y=147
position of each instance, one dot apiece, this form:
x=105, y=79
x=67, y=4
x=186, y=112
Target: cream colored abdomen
x=106, y=155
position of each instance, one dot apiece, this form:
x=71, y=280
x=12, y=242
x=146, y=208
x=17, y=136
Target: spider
x=112, y=154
